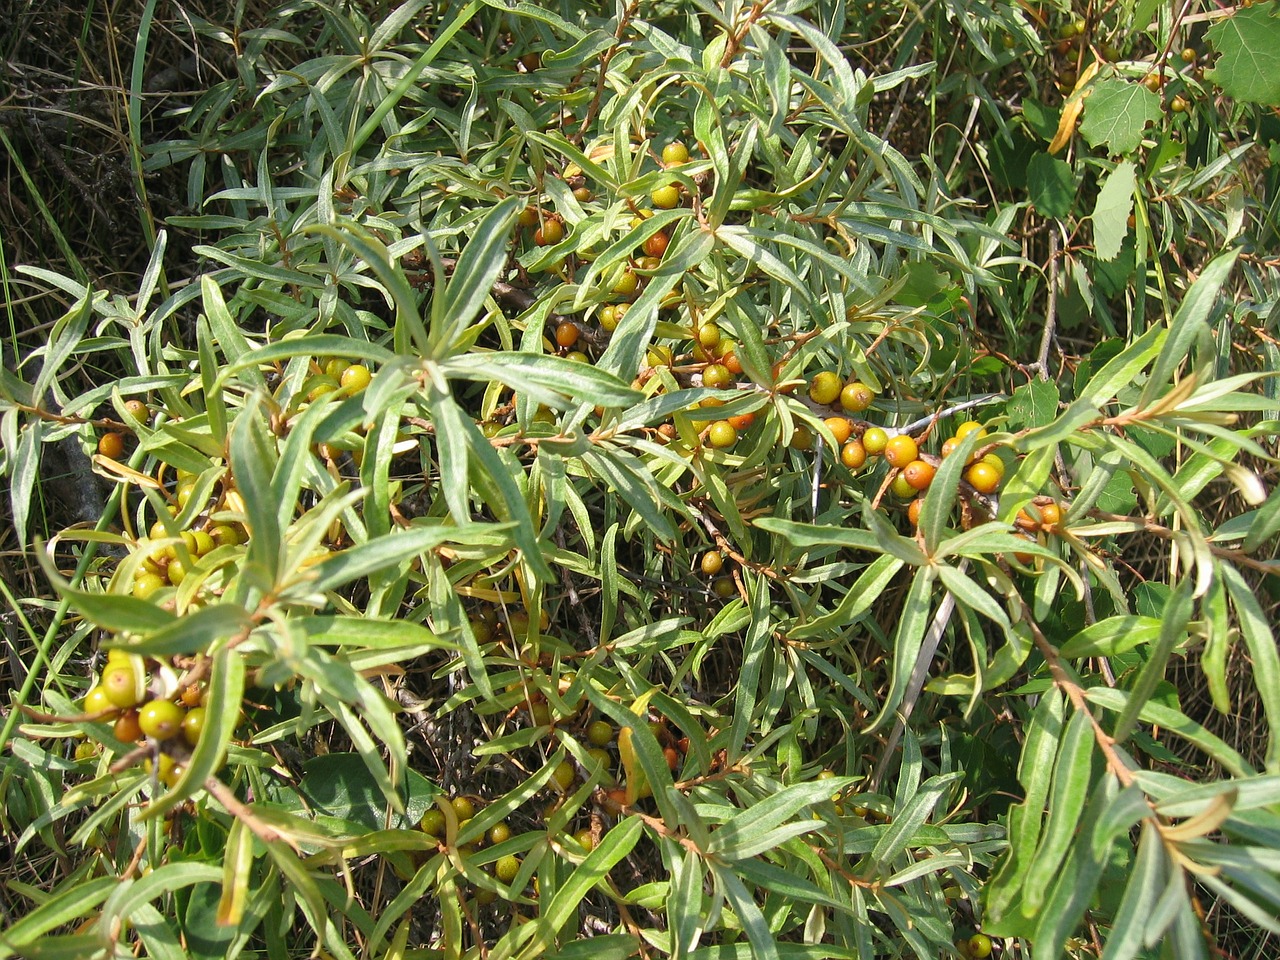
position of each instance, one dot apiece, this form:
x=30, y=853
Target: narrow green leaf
x=481, y=259
x=1072, y=776
x=907, y=643
x=1173, y=629
x=613, y=846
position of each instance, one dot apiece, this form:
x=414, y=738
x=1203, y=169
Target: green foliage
x=423, y=489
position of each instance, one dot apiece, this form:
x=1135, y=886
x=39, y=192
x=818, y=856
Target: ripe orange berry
x=968, y=427
x=913, y=511
x=901, y=450
x=657, y=244
x=742, y=421
x=731, y=362
x=919, y=473
x=127, y=729
x=549, y=234
x=840, y=428
x=983, y=477
x=567, y=334
x=853, y=454
x=1050, y=516
x=111, y=445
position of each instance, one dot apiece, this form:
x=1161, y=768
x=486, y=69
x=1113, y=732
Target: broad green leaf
x=1115, y=201
x=1248, y=42
x=1116, y=114
x=1051, y=185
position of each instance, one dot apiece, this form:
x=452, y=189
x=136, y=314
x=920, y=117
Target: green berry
x=825, y=388
x=674, y=153
x=506, y=868
x=666, y=197
x=599, y=732
x=120, y=685
x=722, y=435
x=161, y=719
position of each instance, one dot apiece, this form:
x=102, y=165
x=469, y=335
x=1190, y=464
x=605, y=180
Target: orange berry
x=840, y=428
x=657, y=244
x=111, y=445
x=913, y=511
x=549, y=234
x=567, y=334
x=901, y=450
x=919, y=473
x=741, y=421
x=983, y=477
x=853, y=454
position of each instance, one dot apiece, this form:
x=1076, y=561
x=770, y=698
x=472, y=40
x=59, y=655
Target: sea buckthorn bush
x=780, y=480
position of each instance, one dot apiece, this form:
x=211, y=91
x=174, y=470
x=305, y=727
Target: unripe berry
x=712, y=563
x=875, y=439
x=825, y=388
x=856, y=396
x=722, y=435
x=161, y=719
x=674, y=153
x=120, y=684
x=599, y=732
x=666, y=197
